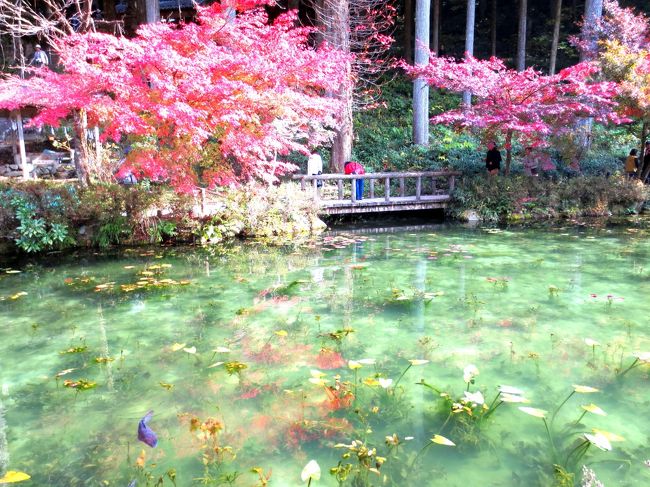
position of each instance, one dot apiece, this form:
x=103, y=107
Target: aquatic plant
x=366, y=461
x=310, y=472
x=640, y=358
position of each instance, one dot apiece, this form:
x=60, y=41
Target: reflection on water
x=244, y=356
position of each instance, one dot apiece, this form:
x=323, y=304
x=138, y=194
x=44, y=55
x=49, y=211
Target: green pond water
x=244, y=356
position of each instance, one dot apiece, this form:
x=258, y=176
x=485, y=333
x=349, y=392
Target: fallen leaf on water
x=177, y=346
x=141, y=459
x=191, y=350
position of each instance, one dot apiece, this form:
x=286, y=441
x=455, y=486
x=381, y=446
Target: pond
x=370, y=353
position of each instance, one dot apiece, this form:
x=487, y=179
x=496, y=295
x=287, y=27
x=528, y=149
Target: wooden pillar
x=21, y=143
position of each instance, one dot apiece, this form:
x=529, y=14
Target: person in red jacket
x=353, y=167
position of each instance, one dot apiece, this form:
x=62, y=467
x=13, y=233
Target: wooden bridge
x=383, y=191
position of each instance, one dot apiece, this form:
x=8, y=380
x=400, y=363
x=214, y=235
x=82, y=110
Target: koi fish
x=145, y=434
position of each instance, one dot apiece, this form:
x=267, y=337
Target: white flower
x=469, y=373
x=474, y=397
x=599, y=440
x=311, y=471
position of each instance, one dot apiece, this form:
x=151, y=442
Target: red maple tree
x=209, y=103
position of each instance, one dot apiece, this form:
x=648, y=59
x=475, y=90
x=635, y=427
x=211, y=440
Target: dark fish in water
x=145, y=434
x=132, y=484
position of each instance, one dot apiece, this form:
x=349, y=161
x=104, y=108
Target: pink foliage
x=231, y=96
x=527, y=104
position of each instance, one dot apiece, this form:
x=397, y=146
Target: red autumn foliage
x=329, y=359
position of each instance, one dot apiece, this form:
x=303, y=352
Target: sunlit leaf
x=177, y=346
x=367, y=361
x=599, y=440
x=371, y=381
x=385, y=383
x=510, y=390
x=441, y=440
x=418, y=361
x=13, y=476
x=80, y=385
x=642, y=356
x=353, y=364
x=221, y=350
x=167, y=386
x=505, y=397
x=311, y=471
x=608, y=435
x=538, y=413
x=139, y=462
x=216, y=364
x=281, y=333
x=191, y=350
x=469, y=372
x=584, y=389
x=317, y=373
x=63, y=372
x=591, y=342
x=319, y=381
x=592, y=408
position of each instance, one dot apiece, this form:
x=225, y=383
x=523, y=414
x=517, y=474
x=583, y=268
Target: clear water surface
x=244, y=356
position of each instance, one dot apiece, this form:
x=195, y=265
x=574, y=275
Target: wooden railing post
x=401, y=187
x=418, y=188
x=452, y=183
x=314, y=184
x=371, y=193
x=339, y=183
x=353, y=190
x=387, y=188
x=302, y=184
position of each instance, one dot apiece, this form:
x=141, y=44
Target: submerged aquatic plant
x=640, y=358
x=367, y=461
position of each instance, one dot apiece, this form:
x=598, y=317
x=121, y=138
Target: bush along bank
x=39, y=216
x=522, y=198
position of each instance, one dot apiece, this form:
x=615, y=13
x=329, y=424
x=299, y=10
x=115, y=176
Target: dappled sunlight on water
x=257, y=360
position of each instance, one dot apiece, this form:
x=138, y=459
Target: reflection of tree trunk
x=521, y=35
x=420, y=87
x=105, y=351
x=508, y=151
x=408, y=30
x=82, y=148
x=469, y=42
x=493, y=29
x=4, y=447
x=556, y=36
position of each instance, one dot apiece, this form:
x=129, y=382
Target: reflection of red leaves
x=337, y=399
x=301, y=432
x=267, y=355
x=251, y=393
x=329, y=359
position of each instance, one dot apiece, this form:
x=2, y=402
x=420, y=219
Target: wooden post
x=339, y=183
x=21, y=144
x=387, y=188
x=401, y=186
x=418, y=188
x=202, y=202
x=353, y=190
x=372, y=188
x=314, y=184
x=452, y=183
x=302, y=184
x=98, y=146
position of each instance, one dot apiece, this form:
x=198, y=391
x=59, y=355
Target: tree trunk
x=408, y=31
x=293, y=5
x=82, y=149
x=469, y=42
x=342, y=143
x=508, y=151
x=593, y=13
x=152, y=11
x=493, y=29
x=420, y=87
x=644, y=169
x=435, y=35
x=556, y=36
x=521, y=35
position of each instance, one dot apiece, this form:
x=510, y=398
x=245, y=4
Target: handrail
x=316, y=181
x=375, y=175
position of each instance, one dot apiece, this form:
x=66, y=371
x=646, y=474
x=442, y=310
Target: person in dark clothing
x=492, y=159
x=646, y=158
x=353, y=167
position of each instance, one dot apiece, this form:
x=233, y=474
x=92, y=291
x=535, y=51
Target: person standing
x=39, y=58
x=353, y=167
x=631, y=164
x=530, y=162
x=492, y=159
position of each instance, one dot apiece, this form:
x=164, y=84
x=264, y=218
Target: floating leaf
x=353, y=364
x=584, y=389
x=474, y=397
x=317, y=373
x=167, y=386
x=139, y=462
x=505, y=397
x=177, y=346
x=221, y=350
x=319, y=381
x=216, y=364
x=592, y=408
x=191, y=350
x=371, y=381
x=63, y=372
x=281, y=333
x=13, y=271
x=642, y=356
x=441, y=440
x=13, y=476
x=80, y=349
x=538, y=413
x=104, y=360
x=234, y=367
x=591, y=342
x=18, y=295
x=367, y=361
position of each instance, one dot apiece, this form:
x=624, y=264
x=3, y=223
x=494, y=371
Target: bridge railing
x=389, y=186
